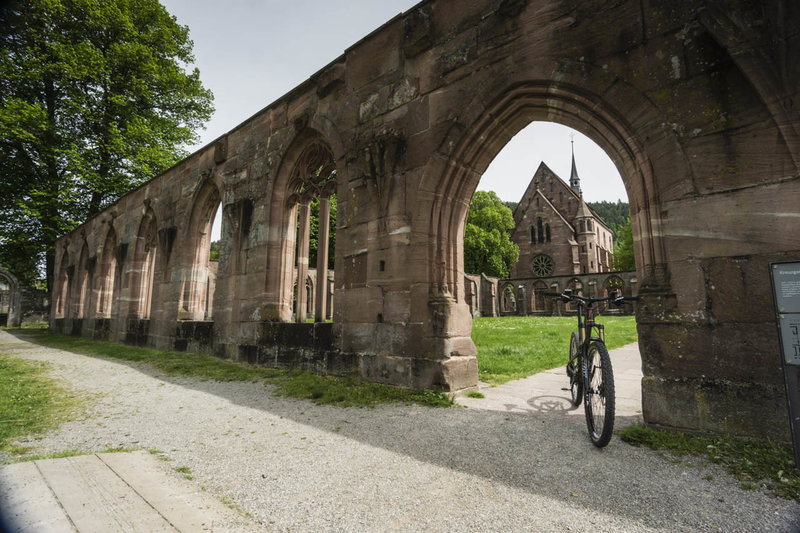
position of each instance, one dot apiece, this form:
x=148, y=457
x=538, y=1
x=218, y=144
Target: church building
x=557, y=232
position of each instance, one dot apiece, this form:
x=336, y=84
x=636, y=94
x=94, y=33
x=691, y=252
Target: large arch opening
x=106, y=280
x=490, y=133
x=303, y=222
x=83, y=285
x=143, y=266
x=201, y=261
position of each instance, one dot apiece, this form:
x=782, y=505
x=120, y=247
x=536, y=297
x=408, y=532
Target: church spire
x=574, y=180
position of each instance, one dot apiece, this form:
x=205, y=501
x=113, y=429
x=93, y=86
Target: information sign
x=786, y=289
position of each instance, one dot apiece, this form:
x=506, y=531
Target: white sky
x=252, y=52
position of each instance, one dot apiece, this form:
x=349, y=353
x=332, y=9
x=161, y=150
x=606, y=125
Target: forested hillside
x=614, y=214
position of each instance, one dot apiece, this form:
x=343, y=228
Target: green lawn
x=515, y=347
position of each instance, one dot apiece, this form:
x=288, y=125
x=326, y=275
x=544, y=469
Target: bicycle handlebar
x=615, y=299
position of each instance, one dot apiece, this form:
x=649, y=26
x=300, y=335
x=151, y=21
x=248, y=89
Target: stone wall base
x=307, y=347
x=716, y=406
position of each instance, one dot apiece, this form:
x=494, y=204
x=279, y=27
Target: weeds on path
x=755, y=464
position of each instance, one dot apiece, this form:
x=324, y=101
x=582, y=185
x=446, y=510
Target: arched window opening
x=314, y=201
x=577, y=288
x=508, y=300
x=107, y=277
x=62, y=289
x=83, y=284
x=547, y=232
x=200, y=270
x=540, y=229
x=540, y=301
x=143, y=266
x=533, y=234
x=582, y=225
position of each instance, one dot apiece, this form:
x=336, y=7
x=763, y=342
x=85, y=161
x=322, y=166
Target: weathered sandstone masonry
x=696, y=102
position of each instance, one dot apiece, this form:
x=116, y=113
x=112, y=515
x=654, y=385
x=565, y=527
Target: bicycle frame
x=586, y=324
x=589, y=356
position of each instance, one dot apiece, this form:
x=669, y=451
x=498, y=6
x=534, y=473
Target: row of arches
x=538, y=303
x=123, y=279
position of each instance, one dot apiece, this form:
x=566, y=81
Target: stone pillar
x=521, y=301
x=322, y=259
x=303, y=232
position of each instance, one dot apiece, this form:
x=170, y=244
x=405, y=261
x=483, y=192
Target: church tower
x=574, y=180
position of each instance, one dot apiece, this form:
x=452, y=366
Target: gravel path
x=294, y=466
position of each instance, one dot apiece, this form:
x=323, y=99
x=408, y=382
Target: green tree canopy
x=313, y=243
x=623, y=248
x=95, y=99
x=488, y=247
x=614, y=214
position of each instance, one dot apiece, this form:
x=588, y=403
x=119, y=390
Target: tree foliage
x=614, y=214
x=488, y=247
x=623, y=248
x=94, y=100
x=314, y=233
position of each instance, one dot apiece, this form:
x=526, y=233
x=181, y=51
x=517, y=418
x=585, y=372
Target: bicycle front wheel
x=600, y=407
x=574, y=371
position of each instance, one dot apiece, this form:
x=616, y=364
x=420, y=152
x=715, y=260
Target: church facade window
x=540, y=229
x=542, y=265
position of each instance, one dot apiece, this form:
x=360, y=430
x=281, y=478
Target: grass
x=30, y=402
x=341, y=391
x=475, y=394
x=754, y=464
x=185, y=471
x=515, y=347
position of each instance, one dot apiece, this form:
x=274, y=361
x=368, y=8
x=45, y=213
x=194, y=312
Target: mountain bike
x=591, y=377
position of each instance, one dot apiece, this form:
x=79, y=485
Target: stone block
x=709, y=405
x=737, y=351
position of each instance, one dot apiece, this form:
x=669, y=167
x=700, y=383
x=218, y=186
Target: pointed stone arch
x=143, y=266
x=14, y=318
x=194, y=303
x=308, y=170
x=108, y=272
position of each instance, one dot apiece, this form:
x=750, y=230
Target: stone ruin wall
x=694, y=101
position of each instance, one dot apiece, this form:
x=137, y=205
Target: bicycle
x=591, y=377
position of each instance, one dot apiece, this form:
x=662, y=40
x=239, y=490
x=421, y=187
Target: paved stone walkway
x=547, y=392
x=105, y=493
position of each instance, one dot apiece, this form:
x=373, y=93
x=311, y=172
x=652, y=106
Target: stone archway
x=692, y=102
x=12, y=299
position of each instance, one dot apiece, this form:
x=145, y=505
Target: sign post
x=786, y=290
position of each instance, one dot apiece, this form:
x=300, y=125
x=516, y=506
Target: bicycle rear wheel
x=600, y=408
x=574, y=370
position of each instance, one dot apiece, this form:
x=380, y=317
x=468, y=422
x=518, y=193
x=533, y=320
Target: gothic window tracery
x=542, y=265
x=314, y=178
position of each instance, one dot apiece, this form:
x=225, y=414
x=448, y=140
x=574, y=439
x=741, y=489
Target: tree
x=488, y=247
x=623, y=248
x=94, y=100
x=313, y=240
x=614, y=214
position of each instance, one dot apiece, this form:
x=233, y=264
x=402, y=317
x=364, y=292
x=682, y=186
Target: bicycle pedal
x=565, y=388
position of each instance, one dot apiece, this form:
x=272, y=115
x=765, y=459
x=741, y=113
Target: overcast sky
x=252, y=52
